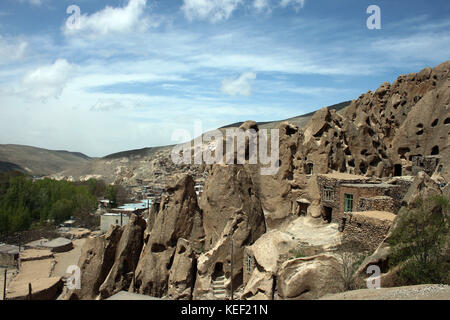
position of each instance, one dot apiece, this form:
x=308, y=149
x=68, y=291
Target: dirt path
x=419, y=292
x=66, y=259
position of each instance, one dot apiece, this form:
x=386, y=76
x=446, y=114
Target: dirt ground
x=66, y=259
x=419, y=292
x=40, y=273
x=36, y=272
x=10, y=274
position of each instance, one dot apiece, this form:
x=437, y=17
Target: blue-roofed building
x=137, y=207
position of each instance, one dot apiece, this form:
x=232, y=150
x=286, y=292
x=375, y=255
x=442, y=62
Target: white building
x=108, y=219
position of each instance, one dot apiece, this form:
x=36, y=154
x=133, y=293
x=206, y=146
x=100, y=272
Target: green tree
x=111, y=194
x=420, y=242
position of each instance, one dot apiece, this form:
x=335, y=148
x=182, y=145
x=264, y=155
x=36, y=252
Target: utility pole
x=4, y=285
x=29, y=291
x=231, y=260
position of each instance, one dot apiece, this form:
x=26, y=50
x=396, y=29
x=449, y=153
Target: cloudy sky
x=124, y=74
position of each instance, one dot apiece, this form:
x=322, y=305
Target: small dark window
x=435, y=122
x=348, y=202
x=309, y=168
x=435, y=151
x=397, y=170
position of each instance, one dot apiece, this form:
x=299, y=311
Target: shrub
x=420, y=242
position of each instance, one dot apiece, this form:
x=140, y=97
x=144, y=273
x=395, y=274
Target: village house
x=364, y=209
x=425, y=163
x=330, y=194
x=9, y=255
x=109, y=219
x=121, y=215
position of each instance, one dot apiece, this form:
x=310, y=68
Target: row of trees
x=25, y=203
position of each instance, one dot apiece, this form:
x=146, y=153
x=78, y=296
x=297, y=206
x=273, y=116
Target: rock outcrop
x=179, y=217
x=182, y=273
x=96, y=260
x=308, y=278
x=261, y=266
x=233, y=218
x=127, y=255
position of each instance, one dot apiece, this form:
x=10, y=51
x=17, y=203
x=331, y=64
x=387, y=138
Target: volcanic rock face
x=179, y=217
x=276, y=189
x=182, y=273
x=96, y=260
x=422, y=187
x=378, y=131
x=307, y=278
x=403, y=119
x=126, y=258
x=229, y=190
x=265, y=252
x=233, y=218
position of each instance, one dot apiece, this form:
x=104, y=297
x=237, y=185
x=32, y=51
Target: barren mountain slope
x=38, y=161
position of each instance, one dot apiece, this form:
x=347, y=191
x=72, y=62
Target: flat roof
x=369, y=185
x=379, y=215
x=58, y=242
x=9, y=249
x=343, y=176
x=112, y=214
x=143, y=204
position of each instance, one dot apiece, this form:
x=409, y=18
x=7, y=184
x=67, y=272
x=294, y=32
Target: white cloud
x=240, y=86
x=111, y=20
x=11, y=50
x=212, y=10
x=261, y=5
x=107, y=105
x=32, y=2
x=297, y=4
x=48, y=81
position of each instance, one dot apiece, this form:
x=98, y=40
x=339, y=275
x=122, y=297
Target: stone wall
x=379, y=203
x=8, y=259
x=366, y=191
x=364, y=231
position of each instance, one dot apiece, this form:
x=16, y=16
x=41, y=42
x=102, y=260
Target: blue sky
x=133, y=71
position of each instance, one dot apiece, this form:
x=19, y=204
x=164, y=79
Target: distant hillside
x=153, y=164
x=144, y=152
x=299, y=121
x=38, y=161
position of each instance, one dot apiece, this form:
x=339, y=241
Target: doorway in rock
x=397, y=170
x=218, y=270
x=327, y=214
x=302, y=209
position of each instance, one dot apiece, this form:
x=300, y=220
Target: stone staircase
x=218, y=286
